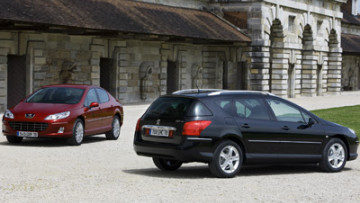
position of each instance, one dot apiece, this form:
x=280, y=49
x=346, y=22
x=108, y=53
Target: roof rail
x=195, y=91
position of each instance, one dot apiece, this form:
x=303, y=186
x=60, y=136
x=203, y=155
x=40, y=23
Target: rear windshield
x=169, y=107
x=57, y=95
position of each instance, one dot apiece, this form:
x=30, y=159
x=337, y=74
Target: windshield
x=169, y=107
x=57, y=95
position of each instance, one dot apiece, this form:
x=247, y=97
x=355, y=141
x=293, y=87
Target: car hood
x=42, y=109
x=328, y=123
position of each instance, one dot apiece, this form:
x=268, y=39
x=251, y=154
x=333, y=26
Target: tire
x=78, y=133
x=227, y=160
x=114, y=133
x=166, y=164
x=14, y=139
x=334, y=156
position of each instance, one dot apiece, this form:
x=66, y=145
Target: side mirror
x=94, y=104
x=311, y=122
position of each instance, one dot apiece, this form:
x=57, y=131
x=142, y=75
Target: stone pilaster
x=165, y=52
x=279, y=72
x=259, y=68
x=334, y=73
x=308, y=74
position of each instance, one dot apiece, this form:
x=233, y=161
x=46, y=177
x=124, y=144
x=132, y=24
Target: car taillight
x=138, y=127
x=194, y=128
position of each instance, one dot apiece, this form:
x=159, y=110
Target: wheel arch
x=343, y=138
x=237, y=139
x=119, y=114
x=82, y=119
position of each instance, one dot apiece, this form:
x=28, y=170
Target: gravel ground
x=44, y=170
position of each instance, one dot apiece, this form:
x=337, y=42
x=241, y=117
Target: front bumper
x=353, y=151
x=190, y=150
x=51, y=131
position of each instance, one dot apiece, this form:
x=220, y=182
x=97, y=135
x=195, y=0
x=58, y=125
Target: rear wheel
x=227, y=160
x=334, y=156
x=167, y=164
x=114, y=133
x=14, y=139
x=78, y=133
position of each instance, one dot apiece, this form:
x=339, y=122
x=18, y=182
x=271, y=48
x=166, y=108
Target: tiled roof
x=350, y=43
x=121, y=16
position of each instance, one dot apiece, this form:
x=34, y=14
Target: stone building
x=141, y=49
x=350, y=41
x=136, y=50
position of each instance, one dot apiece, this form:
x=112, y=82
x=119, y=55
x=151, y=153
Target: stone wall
x=7, y=46
x=138, y=69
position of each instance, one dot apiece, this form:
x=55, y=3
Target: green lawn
x=347, y=116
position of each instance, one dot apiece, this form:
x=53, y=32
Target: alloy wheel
x=336, y=155
x=229, y=159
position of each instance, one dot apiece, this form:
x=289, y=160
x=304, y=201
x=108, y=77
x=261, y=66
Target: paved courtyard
x=110, y=171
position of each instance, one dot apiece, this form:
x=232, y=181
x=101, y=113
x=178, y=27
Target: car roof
x=214, y=92
x=71, y=86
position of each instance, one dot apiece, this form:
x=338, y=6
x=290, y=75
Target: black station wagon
x=227, y=129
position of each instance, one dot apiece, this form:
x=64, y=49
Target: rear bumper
x=191, y=150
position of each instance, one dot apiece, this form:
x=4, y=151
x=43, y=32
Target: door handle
x=285, y=128
x=245, y=125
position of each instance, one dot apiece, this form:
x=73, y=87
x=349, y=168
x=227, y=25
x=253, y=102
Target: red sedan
x=64, y=111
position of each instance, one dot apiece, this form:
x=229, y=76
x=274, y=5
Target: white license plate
x=26, y=134
x=156, y=131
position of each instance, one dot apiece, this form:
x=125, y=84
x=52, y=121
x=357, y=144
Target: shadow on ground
x=48, y=142
x=199, y=172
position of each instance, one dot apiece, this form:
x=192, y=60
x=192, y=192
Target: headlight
x=352, y=131
x=58, y=116
x=8, y=114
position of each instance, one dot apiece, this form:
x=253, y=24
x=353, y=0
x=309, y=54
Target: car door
x=257, y=127
x=92, y=115
x=297, y=136
x=107, y=110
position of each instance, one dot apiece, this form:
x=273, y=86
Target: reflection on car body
x=227, y=129
x=64, y=111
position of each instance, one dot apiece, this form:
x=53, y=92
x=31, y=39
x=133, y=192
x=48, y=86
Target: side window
x=251, y=109
x=91, y=97
x=285, y=112
x=225, y=105
x=306, y=116
x=103, y=96
x=199, y=109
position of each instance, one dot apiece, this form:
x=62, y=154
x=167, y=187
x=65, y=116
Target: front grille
x=28, y=126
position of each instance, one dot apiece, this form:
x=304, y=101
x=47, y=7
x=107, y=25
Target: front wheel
x=167, y=164
x=334, y=156
x=227, y=160
x=78, y=133
x=114, y=133
x=14, y=139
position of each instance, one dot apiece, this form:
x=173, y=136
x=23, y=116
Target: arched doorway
x=276, y=59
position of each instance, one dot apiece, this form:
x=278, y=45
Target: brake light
x=138, y=127
x=194, y=128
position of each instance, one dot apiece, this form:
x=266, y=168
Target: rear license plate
x=157, y=131
x=26, y=134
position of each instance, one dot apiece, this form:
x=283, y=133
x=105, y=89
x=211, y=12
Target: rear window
x=169, y=107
